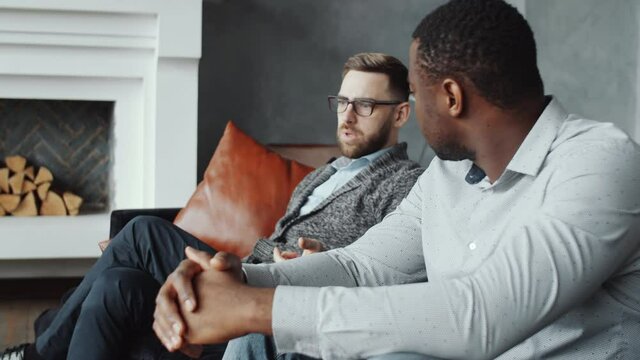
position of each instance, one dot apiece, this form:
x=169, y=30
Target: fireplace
x=72, y=139
x=139, y=55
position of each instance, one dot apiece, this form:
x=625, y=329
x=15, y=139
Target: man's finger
x=162, y=335
x=223, y=261
x=168, y=324
x=288, y=255
x=181, y=280
x=170, y=341
x=312, y=245
x=168, y=315
x=202, y=258
x=277, y=255
x=192, y=351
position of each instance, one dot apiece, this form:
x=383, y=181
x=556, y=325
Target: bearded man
x=330, y=208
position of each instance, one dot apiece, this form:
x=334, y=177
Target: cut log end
x=4, y=180
x=53, y=205
x=15, y=182
x=44, y=175
x=27, y=207
x=72, y=201
x=27, y=186
x=29, y=173
x=43, y=190
x=16, y=163
x=9, y=202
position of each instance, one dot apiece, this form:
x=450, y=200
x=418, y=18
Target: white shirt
x=346, y=169
x=544, y=263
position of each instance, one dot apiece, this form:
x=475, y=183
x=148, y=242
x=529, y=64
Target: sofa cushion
x=244, y=191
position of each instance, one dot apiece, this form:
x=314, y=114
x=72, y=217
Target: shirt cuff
x=294, y=320
x=258, y=275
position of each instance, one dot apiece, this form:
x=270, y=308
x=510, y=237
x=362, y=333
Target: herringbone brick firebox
x=70, y=138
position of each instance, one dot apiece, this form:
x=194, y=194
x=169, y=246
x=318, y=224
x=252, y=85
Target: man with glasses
x=330, y=208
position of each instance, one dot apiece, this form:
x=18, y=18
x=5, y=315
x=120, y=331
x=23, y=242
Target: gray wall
x=588, y=56
x=269, y=65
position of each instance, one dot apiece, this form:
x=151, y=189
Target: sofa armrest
x=120, y=218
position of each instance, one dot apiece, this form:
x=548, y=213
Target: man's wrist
x=260, y=307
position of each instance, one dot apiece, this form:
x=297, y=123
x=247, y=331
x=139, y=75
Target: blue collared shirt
x=346, y=169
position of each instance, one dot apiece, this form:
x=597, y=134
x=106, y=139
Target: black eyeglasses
x=362, y=107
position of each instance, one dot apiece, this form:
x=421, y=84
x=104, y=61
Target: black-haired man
x=527, y=225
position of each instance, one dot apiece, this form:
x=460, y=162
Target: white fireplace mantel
x=141, y=54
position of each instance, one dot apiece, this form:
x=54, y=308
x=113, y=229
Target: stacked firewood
x=26, y=192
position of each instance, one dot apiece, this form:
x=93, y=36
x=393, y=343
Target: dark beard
x=453, y=152
x=374, y=144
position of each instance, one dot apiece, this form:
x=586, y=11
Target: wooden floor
x=16, y=320
x=21, y=301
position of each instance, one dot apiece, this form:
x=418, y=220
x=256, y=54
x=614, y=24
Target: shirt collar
x=530, y=155
x=344, y=161
x=535, y=147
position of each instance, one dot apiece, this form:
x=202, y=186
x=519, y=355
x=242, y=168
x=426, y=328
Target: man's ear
x=454, y=95
x=403, y=111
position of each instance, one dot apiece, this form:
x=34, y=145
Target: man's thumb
x=310, y=244
x=224, y=261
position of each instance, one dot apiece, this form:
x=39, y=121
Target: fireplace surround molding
x=141, y=54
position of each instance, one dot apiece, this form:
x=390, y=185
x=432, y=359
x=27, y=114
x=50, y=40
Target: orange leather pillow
x=245, y=190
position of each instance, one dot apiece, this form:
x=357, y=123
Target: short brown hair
x=384, y=64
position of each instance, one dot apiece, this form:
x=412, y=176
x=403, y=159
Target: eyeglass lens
x=362, y=108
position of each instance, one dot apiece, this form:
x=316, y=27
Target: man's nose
x=349, y=114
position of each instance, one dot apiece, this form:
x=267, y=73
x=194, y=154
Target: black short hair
x=487, y=42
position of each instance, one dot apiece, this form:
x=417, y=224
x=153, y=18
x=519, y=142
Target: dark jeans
x=257, y=347
x=113, y=305
x=260, y=347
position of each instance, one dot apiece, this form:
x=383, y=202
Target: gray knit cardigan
x=347, y=213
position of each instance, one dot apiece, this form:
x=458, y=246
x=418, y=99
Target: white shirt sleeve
x=566, y=250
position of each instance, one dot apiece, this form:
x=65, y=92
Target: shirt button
x=472, y=246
